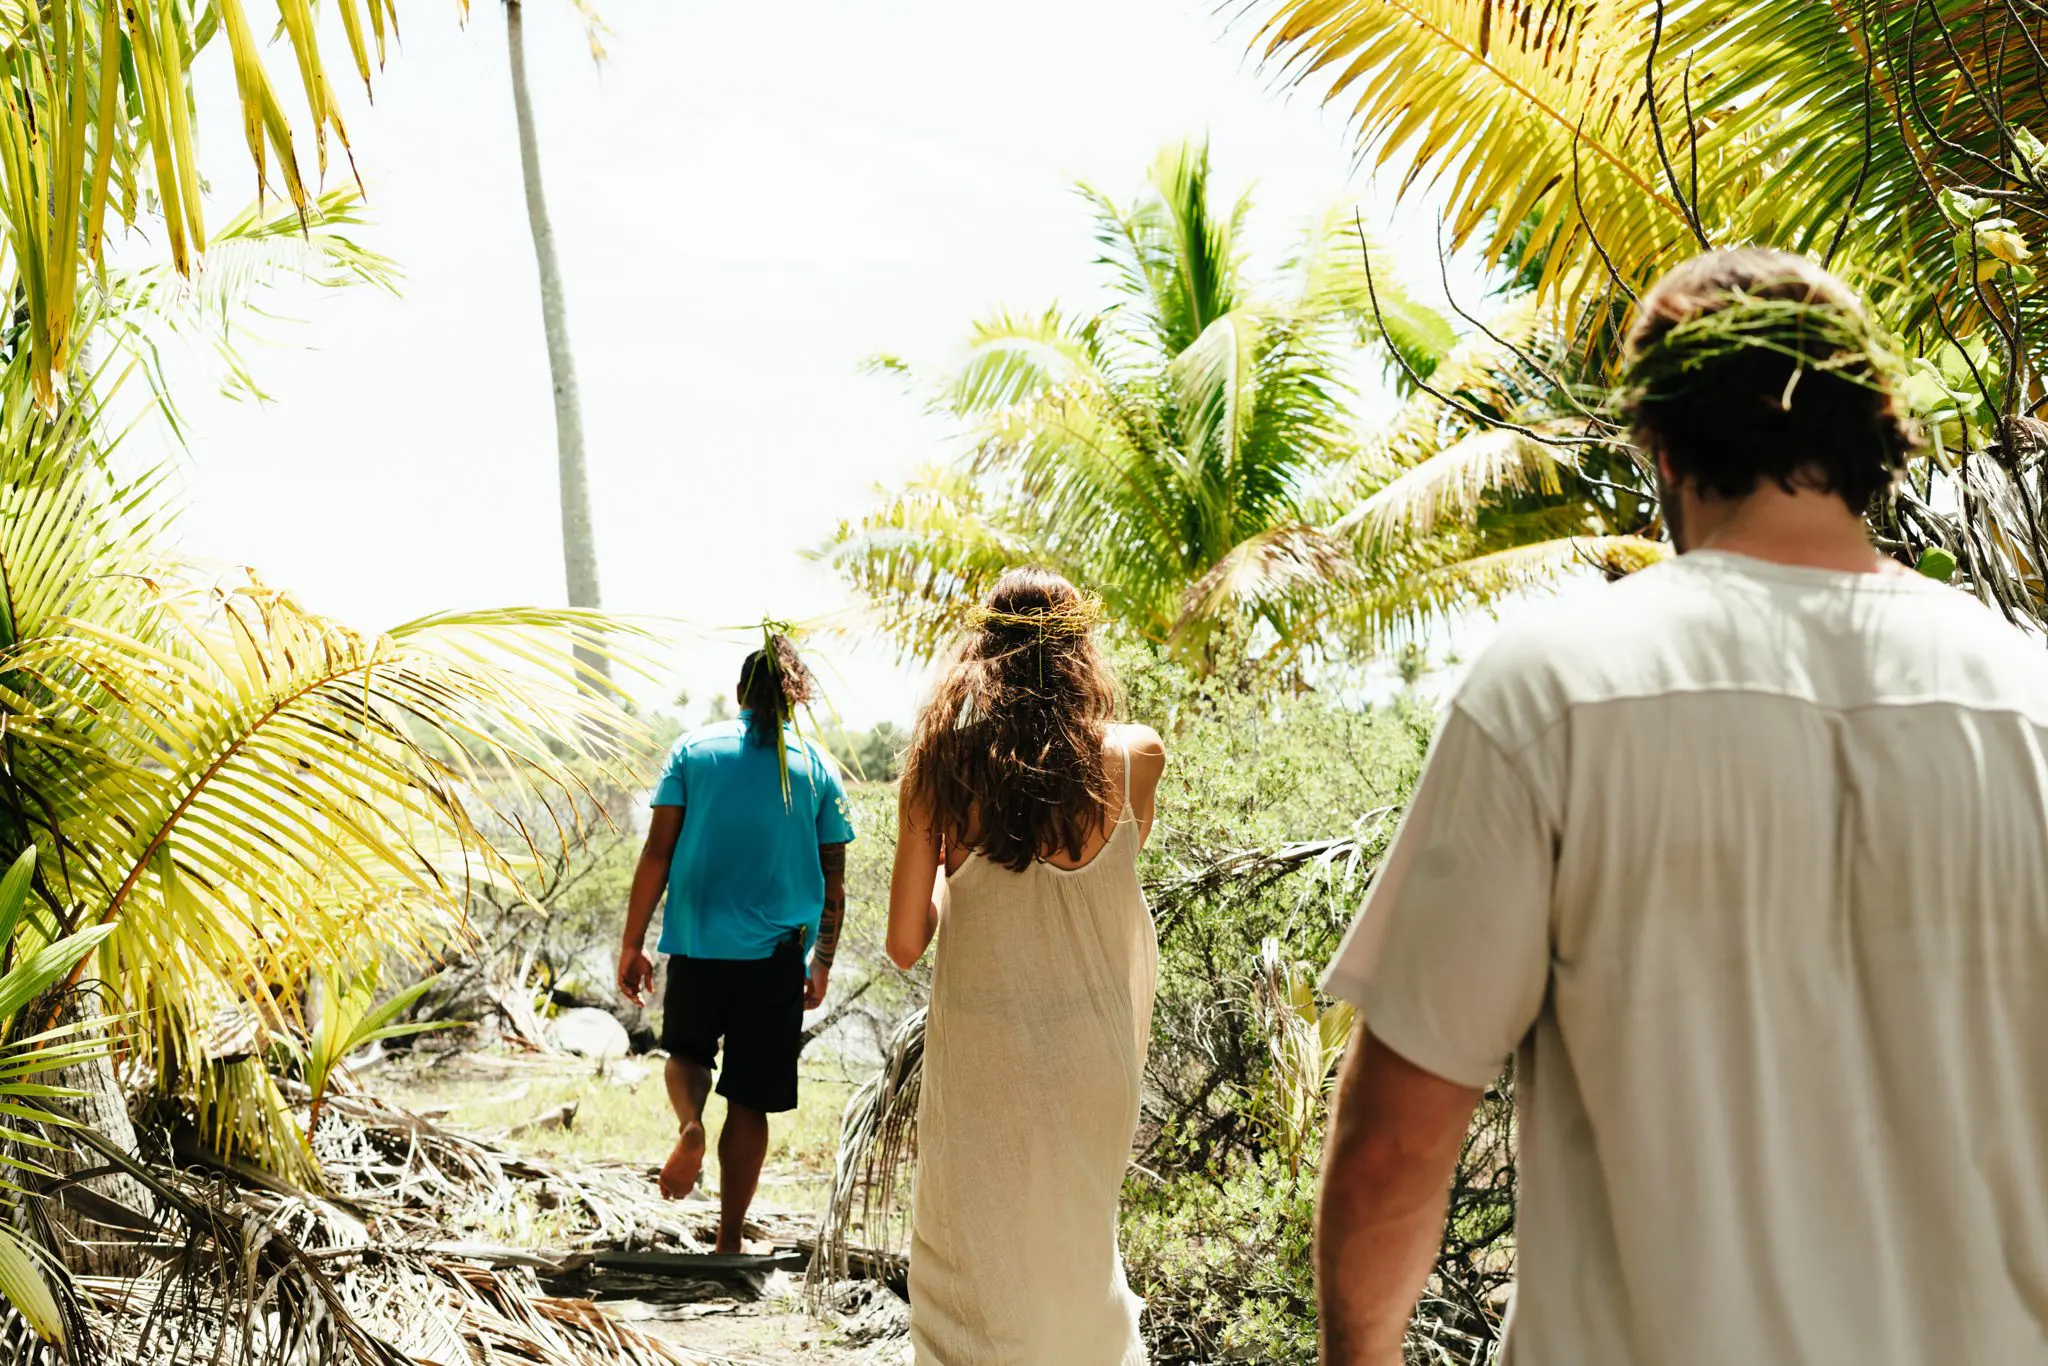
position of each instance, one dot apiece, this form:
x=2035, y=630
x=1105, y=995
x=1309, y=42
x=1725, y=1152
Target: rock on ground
x=590, y=1032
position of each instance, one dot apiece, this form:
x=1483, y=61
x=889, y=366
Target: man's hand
x=814, y=991
x=650, y=880
x=636, y=974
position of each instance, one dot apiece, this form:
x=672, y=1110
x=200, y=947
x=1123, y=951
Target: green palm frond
x=1515, y=112
x=1479, y=372
x=1452, y=485
x=1433, y=583
x=1017, y=360
x=1335, y=282
x=143, y=312
x=924, y=557
x=1263, y=578
x=1171, y=251
x=1216, y=381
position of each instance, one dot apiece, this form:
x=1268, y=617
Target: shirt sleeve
x=672, y=790
x=835, y=819
x=1449, y=959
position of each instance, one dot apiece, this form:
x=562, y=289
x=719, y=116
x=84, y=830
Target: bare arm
x=650, y=880
x=913, y=888
x=832, y=858
x=1394, y=1140
x=1148, y=765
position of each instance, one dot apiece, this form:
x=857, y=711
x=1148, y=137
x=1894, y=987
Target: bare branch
x=1455, y=405
x=1685, y=206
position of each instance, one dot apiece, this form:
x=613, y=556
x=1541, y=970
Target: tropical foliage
x=97, y=116
x=32, y=959
x=1590, y=147
x=240, y=789
x=1151, y=450
x=1191, y=450
x=236, y=796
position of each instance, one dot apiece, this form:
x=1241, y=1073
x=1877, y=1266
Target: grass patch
x=622, y=1116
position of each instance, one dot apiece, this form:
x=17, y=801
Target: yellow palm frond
x=231, y=782
x=1519, y=112
x=1451, y=485
x=1488, y=576
x=1437, y=581
x=1263, y=574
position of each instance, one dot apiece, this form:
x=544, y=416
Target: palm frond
x=1431, y=587
x=1216, y=377
x=1334, y=282
x=1451, y=485
x=227, y=781
x=877, y=1141
x=1516, y=112
x=1178, y=259
x=925, y=556
x=1264, y=574
x=1019, y=360
x=144, y=311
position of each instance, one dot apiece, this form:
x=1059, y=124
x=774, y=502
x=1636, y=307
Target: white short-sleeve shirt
x=1749, y=865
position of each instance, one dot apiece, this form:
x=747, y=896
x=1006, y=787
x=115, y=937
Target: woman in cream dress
x=1022, y=813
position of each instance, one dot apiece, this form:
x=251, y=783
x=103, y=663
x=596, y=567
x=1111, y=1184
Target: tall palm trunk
x=579, y=546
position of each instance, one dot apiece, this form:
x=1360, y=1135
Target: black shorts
x=756, y=1006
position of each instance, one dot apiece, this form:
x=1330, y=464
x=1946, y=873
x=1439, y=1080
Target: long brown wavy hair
x=1007, y=758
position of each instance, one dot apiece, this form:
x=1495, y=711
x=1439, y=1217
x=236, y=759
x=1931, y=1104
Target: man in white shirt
x=1746, y=861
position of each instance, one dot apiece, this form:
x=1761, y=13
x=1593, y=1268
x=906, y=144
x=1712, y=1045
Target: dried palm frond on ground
x=877, y=1141
x=425, y=1247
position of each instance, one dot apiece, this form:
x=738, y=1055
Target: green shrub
x=1217, y=1220
x=1252, y=770
x=1223, y=1262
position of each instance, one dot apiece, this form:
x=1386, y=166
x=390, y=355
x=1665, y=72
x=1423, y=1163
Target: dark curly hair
x=1007, y=758
x=774, y=682
x=1754, y=364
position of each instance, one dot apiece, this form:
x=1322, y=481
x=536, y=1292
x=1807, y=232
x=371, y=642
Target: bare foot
x=679, y=1173
x=743, y=1246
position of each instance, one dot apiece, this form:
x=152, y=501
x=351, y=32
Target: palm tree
x=1190, y=452
x=243, y=793
x=579, y=546
x=1141, y=449
x=1464, y=497
x=1591, y=147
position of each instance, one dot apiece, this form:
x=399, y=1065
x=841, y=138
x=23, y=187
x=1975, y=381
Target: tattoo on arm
x=832, y=857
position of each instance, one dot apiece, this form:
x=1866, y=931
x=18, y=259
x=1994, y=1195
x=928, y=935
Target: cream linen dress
x=1040, y=1013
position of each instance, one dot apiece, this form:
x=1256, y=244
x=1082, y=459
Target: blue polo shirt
x=746, y=869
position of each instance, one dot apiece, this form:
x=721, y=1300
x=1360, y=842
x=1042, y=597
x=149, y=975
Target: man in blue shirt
x=748, y=840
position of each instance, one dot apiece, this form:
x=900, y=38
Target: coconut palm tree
x=579, y=545
x=243, y=793
x=97, y=111
x=1591, y=147
x=1190, y=450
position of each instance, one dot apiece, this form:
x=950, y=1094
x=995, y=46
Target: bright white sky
x=749, y=202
